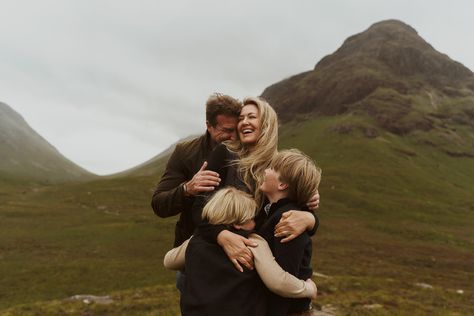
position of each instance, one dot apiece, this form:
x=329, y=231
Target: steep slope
x=387, y=72
x=25, y=155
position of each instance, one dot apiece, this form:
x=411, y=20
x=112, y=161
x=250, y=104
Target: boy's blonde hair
x=229, y=206
x=299, y=172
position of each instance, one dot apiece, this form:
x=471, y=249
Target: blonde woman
x=213, y=286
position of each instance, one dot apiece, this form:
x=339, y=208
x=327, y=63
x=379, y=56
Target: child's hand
x=313, y=203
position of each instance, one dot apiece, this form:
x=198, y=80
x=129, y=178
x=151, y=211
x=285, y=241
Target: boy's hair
x=299, y=172
x=229, y=206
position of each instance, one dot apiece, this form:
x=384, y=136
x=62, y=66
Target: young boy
x=213, y=286
x=288, y=185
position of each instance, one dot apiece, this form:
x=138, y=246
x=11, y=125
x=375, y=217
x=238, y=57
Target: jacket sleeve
x=273, y=276
x=169, y=198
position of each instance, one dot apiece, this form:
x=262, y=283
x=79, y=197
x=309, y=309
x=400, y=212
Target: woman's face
x=249, y=125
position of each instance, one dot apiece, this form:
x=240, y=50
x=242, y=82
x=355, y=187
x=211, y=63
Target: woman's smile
x=249, y=124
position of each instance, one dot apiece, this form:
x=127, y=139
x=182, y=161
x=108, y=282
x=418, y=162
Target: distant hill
x=152, y=167
x=26, y=156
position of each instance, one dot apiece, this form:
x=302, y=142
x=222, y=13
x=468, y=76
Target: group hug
x=246, y=215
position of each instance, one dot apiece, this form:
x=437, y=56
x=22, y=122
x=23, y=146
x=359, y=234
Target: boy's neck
x=276, y=196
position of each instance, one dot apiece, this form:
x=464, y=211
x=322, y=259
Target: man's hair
x=220, y=104
x=299, y=172
x=229, y=206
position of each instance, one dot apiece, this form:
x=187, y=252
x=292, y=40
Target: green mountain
x=389, y=121
x=388, y=72
x=26, y=156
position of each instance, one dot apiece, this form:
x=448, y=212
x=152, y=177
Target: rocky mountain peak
x=398, y=46
x=389, y=55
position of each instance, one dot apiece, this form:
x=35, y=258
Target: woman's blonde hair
x=255, y=159
x=299, y=172
x=229, y=206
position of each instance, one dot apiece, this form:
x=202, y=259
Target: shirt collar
x=271, y=207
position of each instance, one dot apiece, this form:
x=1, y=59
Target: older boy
x=288, y=184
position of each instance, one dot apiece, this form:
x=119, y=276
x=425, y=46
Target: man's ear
x=208, y=125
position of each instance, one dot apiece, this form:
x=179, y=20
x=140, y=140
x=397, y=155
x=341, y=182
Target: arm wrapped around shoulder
x=274, y=277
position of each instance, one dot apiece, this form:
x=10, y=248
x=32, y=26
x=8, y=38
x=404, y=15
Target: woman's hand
x=313, y=288
x=313, y=202
x=236, y=248
x=294, y=223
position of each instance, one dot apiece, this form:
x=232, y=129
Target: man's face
x=225, y=129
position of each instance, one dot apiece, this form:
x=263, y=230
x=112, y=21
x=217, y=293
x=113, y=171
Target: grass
x=396, y=212
x=155, y=300
x=94, y=238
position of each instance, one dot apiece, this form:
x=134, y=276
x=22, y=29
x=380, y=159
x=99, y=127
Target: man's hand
x=293, y=223
x=203, y=181
x=235, y=246
x=313, y=202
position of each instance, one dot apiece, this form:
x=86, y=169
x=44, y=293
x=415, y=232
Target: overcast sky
x=113, y=83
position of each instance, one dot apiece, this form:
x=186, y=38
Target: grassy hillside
x=396, y=231
x=28, y=157
x=396, y=212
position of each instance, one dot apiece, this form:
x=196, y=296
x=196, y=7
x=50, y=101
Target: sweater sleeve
x=273, y=276
x=175, y=258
